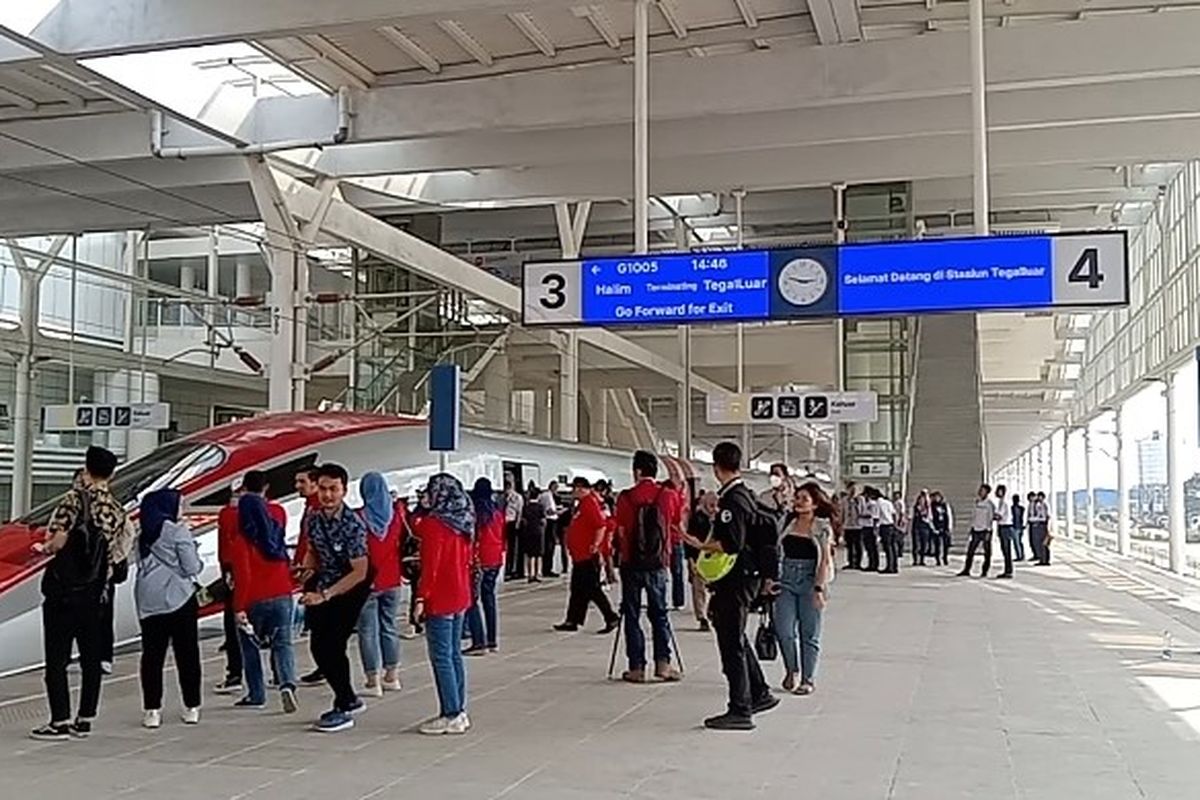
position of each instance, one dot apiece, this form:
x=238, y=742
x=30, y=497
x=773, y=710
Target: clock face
x=803, y=281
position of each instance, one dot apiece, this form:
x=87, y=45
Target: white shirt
x=886, y=512
x=984, y=515
x=1004, y=509
x=514, y=503
x=548, y=504
x=1038, y=512
x=864, y=514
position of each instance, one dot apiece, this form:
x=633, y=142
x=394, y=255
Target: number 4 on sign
x=1087, y=269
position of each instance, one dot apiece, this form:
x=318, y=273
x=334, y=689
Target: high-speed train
x=203, y=466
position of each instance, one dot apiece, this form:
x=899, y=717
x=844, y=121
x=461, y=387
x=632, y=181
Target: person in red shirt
x=306, y=487
x=646, y=573
x=482, y=621
x=444, y=594
x=227, y=535
x=678, y=557
x=262, y=593
x=378, y=638
x=586, y=537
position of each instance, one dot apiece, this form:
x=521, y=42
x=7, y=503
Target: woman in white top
x=168, y=565
x=805, y=573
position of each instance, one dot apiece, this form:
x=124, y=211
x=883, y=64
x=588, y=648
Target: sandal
x=804, y=688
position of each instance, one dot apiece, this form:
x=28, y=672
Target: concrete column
x=566, y=392
x=541, y=413
x=597, y=402
x=1122, y=487
x=241, y=278
x=187, y=281
x=1089, y=501
x=498, y=392
x=1069, y=514
x=1176, y=525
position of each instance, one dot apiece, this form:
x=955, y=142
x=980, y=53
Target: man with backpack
x=740, y=529
x=86, y=536
x=645, y=516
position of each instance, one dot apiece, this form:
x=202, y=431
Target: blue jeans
x=378, y=641
x=654, y=584
x=1019, y=542
x=443, y=635
x=797, y=618
x=678, y=576
x=483, y=626
x=272, y=623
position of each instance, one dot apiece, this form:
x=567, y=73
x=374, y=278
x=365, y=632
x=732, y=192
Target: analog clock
x=803, y=281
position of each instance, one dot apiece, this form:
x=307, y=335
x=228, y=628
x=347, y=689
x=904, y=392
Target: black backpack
x=82, y=565
x=648, y=538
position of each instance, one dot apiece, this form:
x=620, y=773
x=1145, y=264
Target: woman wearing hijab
x=262, y=594
x=168, y=565
x=444, y=594
x=378, y=638
x=489, y=558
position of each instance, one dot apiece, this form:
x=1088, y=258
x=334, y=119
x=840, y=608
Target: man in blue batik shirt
x=337, y=582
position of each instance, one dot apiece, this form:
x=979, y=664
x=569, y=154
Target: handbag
x=766, y=645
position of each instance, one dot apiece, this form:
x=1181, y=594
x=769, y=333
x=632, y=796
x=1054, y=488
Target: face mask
x=776, y=481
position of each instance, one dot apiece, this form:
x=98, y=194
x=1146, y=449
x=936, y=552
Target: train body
x=204, y=465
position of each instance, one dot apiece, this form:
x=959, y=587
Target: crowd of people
x=730, y=553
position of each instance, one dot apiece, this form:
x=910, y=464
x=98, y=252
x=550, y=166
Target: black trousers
x=1037, y=542
x=979, y=538
x=585, y=590
x=729, y=608
x=870, y=546
x=514, y=566
x=890, y=539
x=233, y=644
x=75, y=621
x=332, y=624
x=940, y=546
x=180, y=630
x=854, y=551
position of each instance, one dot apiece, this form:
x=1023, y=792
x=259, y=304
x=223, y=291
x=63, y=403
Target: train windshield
x=168, y=467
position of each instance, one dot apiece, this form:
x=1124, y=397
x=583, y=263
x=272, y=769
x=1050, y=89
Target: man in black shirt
x=734, y=593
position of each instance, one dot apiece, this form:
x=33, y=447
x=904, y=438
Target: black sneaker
x=81, y=728
x=228, y=686
x=765, y=704
x=729, y=722
x=705, y=627
x=566, y=627
x=52, y=732
x=313, y=678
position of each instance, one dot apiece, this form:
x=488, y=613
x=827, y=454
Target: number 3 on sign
x=555, y=297
x=1087, y=269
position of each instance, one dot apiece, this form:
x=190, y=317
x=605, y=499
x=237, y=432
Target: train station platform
x=1052, y=685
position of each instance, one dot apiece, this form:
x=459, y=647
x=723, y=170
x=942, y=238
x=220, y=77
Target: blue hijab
x=377, y=503
x=484, y=499
x=157, y=508
x=257, y=525
x=448, y=501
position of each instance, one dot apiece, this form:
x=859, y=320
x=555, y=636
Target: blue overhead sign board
x=896, y=278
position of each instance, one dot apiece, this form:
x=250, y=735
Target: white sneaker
x=438, y=726
x=152, y=718
x=459, y=725
x=391, y=686
x=190, y=716
x=106, y=667
x=373, y=690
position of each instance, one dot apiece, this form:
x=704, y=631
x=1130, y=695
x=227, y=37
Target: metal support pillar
x=641, y=126
x=683, y=243
x=1122, y=487
x=739, y=210
x=1176, y=519
x=1069, y=512
x=839, y=325
x=572, y=224
x=286, y=373
x=981, y=207
x=1089, y=519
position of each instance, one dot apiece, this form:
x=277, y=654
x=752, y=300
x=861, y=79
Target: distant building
x=1149, y=493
